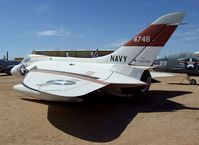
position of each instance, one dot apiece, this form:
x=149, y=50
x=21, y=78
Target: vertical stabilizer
x=143, y=48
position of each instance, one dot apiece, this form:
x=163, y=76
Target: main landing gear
x=191, y=81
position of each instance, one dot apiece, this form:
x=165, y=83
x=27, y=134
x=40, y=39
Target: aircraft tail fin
x=144, y=47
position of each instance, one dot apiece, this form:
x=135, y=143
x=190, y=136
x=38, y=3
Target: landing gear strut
x=191, y=81
x=146, y=77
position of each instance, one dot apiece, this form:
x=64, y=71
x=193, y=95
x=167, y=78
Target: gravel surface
x=167, y=115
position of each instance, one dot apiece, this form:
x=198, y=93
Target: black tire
x=146, y=77
x=8, y=73
x=132, y=92
x=193, y=82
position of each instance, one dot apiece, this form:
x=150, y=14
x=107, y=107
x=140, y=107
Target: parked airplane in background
x=190, y=67
x=196, y=53
x=189, y=64
x=123, y=72
x=7, y=65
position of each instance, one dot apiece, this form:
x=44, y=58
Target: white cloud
x=53, y=33
x=117, y=43
x=47, y=33
x=190, y=35
x=189, y=38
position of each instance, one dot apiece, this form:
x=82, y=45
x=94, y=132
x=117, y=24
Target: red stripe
x=154, y=35
x=163, y=36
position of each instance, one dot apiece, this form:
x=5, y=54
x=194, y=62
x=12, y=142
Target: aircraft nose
x=14, y=71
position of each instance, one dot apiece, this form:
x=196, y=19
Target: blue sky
x=27, y=25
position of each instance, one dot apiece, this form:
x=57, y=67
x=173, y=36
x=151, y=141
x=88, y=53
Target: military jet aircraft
x=187, y=65
x=124, y=72
x=7, y=65
x=190, y=67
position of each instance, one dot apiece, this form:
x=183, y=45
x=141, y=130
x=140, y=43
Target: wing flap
x=61, y=85
x=121, y=79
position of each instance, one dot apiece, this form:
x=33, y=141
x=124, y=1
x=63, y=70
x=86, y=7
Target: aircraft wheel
x=146, y=77
x=131, y=92
x=8, y=73
x=193, y=82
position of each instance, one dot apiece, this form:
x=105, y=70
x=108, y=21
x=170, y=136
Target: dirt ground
x=167, y=115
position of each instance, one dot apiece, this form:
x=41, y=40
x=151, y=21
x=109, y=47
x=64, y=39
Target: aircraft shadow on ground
x=102, y=117
x=4, y=75
x=183, y=84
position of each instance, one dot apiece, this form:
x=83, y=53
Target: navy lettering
x=118, y=58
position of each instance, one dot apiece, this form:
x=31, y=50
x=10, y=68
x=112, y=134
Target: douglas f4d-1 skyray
x=124, y=72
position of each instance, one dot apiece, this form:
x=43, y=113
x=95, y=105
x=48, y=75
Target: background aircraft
x=124, y=72
x=189, y=63
x=7, y=65
x=186, y=63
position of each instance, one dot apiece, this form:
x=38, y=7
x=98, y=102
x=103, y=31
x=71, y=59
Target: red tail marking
x=163, y=36
x=154, y=35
